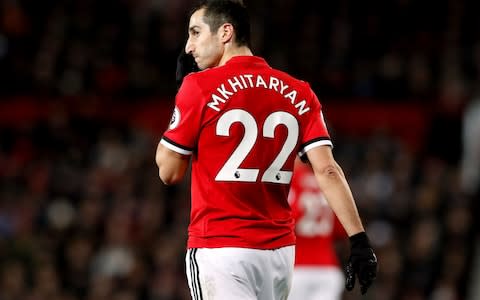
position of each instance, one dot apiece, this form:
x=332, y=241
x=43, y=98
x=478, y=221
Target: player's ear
x=226, y=32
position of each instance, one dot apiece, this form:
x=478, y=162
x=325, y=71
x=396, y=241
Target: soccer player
x=241, y=123
x=317, y=274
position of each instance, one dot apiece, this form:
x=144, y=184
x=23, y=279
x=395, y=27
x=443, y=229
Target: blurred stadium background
x=86, y=90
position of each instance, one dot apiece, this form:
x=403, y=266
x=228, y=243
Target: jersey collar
x=247, y=59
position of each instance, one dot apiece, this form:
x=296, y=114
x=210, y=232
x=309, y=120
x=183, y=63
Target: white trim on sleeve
x=314, y=145
x=175, y=147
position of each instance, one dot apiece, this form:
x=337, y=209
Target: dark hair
x=219, y=12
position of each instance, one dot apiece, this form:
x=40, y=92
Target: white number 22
x=231, y=171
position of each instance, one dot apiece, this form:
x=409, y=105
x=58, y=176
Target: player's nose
x=189, y=47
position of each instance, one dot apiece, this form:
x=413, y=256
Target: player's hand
x=185, y=65
x=362, y=263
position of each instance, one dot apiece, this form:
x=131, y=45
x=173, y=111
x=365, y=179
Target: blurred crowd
x=384, y=49
x=83, y=215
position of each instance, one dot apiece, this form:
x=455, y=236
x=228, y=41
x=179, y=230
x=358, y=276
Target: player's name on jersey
x=246, y=81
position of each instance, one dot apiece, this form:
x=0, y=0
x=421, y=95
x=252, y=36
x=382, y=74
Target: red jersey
x=316, y=225
x=243, y=123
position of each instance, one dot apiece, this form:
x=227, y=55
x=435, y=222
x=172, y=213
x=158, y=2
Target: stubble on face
x=207, y=51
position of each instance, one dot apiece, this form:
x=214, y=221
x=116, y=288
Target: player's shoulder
x=287, y=77
x=197, y=83
x=194, y=77
x=202, y=79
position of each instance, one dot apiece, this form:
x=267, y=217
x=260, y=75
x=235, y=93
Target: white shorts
x=314, y=283
x=240, y=273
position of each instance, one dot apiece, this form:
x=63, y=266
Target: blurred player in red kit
x=241, y=123
x=317, y=274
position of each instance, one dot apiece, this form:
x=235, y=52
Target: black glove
x=185, y=65
x=362, y=263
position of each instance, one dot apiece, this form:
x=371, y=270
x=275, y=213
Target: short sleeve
x=315, y=132
x=182, y=133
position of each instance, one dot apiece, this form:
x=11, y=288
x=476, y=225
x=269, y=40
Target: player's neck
x=234, y=51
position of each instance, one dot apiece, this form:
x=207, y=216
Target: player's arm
x=334, y=185
x=331, y=179
x=171, y=165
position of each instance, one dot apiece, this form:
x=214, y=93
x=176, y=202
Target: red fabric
x=213, y=109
